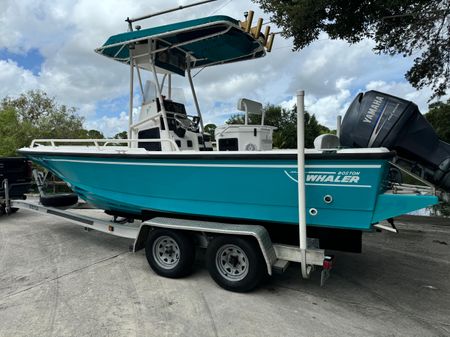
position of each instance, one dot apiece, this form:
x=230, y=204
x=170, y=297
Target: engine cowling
x=376, y=119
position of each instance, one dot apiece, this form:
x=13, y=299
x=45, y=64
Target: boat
x=169, y=166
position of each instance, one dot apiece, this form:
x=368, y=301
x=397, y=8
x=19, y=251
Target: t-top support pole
x=161, y=100
x=194, y=95
x=301, y=180
x=130, y=112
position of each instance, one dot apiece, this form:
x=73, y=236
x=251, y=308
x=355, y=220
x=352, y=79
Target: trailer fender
x=258, y=233
x=141, y=239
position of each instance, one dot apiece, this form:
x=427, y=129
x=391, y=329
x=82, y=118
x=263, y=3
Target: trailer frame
x=277, y=256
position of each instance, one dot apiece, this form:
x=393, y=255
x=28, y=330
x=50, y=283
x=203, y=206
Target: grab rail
x=399, y=188
x=102, y=143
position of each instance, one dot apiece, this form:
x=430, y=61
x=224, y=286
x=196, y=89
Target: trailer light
x=328, y=262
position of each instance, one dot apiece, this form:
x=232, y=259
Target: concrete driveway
x=58, y=280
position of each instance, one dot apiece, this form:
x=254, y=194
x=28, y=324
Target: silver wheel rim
x=166, y=252
x=232, y=262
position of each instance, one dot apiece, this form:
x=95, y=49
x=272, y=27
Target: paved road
x=58, y=280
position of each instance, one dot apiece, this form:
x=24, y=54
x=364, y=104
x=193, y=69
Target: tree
x=94, y=134
x=439, y=118
x=34, y=105
x=405, y=27
x=36, y=115
x=48, y=118
x=14, y=134
x=285, y=136
x=239, y=119
x=211, y=128
x=121, y=135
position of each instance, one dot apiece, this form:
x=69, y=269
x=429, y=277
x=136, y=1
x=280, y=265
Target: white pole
x=161, y=100
x=140, y=80
x=130, y=21
x=130, y=112
x=194, y=95
x=301, y=179
x=338, y=126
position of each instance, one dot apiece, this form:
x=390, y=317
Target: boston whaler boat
x=168, y=167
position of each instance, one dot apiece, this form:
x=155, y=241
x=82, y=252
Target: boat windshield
x=150, y=92
x=173, y=94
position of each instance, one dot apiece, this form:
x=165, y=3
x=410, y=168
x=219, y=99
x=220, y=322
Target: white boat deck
x=110, y=148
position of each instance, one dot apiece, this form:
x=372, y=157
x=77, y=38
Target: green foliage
x=439, y=118
x=94, y=134
x=36, y=115
x=121, y=135
x=210, y=128
x=444, y=209
x=285, y=136
x=13, y=133
x=239, y=119
x=405, y=27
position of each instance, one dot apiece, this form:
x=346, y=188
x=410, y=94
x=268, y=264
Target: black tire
x=59, y=200
x=170, y=253
x=247, y=269
x=11, y=211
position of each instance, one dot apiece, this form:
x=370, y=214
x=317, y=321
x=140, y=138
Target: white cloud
x=326, y=108
x=109, y=126
x=14, y=79
x=404, y=90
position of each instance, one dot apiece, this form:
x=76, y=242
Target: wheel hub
x=232, y=262
x=166, y=252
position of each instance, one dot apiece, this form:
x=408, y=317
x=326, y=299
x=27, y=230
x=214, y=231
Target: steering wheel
x=185, y=123
x=195, y=122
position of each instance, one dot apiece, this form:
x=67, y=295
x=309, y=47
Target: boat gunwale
x=208, y=155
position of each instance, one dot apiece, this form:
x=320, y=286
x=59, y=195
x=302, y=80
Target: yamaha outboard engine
x=375, y=119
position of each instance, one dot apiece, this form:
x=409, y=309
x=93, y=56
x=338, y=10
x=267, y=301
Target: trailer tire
x=235, y=263
x=11, y=210
x=170, y=253
x=59, y=200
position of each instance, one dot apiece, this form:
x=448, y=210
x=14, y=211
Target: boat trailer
x=276, y=257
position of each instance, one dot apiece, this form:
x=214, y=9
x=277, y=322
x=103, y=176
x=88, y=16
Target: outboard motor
x=375, y=119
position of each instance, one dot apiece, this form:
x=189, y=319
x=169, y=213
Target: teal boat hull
x=341, y=192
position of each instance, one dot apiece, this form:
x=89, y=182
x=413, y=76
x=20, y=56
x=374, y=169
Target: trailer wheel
x=235, y=263
x=170, y=253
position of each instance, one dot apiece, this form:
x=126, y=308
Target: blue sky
x=31, y=60
x=50, y=46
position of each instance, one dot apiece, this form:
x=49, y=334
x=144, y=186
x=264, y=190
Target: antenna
x=130, y=21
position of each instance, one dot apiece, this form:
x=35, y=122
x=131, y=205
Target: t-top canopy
x=205, y=42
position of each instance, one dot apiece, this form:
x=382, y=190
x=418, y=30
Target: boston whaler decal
x=326, y=177
x=329, y=178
